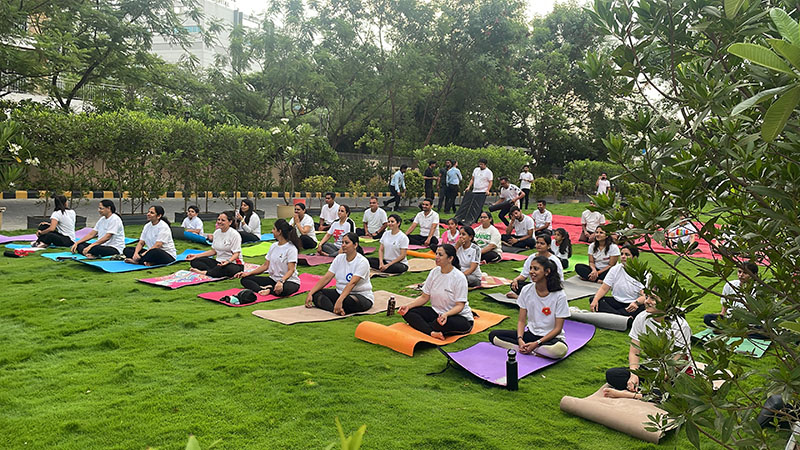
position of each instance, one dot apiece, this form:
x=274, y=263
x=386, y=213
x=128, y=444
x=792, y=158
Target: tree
x=708, y=148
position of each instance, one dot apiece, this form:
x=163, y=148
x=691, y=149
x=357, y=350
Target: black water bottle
x=512, y=383
x=391, y=306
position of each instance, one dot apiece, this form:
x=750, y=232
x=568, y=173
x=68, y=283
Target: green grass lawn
x=96, y=360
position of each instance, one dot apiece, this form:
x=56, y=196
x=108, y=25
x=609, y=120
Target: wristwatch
x=539, y=343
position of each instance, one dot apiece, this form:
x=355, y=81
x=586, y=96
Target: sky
x=535, y=7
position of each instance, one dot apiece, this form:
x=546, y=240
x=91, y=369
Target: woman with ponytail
x=280, y=262
x=446, y=288
x=157, y=237
x=60, y=231
x=542, y=310
x=353, y=292
x=109, y=231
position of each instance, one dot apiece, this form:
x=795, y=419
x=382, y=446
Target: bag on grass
x=246, y=296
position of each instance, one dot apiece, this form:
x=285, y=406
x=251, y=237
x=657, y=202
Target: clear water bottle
x=512, y=382
x=391, y=306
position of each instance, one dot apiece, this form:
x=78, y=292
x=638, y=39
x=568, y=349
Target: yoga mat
x=487, y=282
x=260, y=249
x=79, y=234
x=470, y=208
x=307, y=282
x=110, y=266
x=576, y=288
x=301, y=314
x=505, y=256
x=313, y=260
x=414, y=265
x=429, y=254
x=576, y=259
x=511, y=249
x=749, y=346
x=400, y=337
x=603, y=320
x=63, y=256
x=416, y=247
x=183, y=278
x=625, y=415
x=196, y=238
x=267, y=237
x=26, y=247
x=488, y=362
x=499, y=297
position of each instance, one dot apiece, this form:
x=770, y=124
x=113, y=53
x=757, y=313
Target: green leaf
x=760, y=55
x=777, y=114
x=732, y=8
x=792, y=326
x=756, y=99
x=787, y=50
x=786, y=25
x=193, y=443
x=692, y=434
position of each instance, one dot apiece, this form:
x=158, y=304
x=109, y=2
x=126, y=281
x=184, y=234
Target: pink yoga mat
x=307, y=281
x=83, y=232
x=184, y=278
x=313, y=260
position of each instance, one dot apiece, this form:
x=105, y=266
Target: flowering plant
x=15, y=155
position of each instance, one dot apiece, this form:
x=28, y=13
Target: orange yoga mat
x=428, y=254
x=400, y=337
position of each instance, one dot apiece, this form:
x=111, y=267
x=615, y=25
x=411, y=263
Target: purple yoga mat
x=488, y=362
x=32, y=237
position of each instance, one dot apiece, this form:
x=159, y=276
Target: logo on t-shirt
x=349, y=277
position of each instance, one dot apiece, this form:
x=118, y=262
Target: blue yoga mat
x=197, y=238
x=267, y=237
x=62, y=256
x=121, y=266
x=16, y=246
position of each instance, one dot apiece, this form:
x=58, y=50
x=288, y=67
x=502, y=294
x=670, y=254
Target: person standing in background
x=430, y=177
x=525, y=181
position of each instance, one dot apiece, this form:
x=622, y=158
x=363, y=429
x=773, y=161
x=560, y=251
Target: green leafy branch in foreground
x=352, y=442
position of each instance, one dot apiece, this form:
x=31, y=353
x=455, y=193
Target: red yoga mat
x=307, y=281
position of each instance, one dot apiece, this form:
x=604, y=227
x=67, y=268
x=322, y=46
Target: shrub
x=415, y=185
x=566, y=189
x=544, y=187
x=318, y=183
x=377, y=184
x=503, y=161
x=584, y=174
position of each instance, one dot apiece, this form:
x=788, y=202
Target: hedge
x=503, y=161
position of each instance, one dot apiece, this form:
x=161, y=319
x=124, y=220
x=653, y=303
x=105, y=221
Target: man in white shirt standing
x=590, y=220
x=482, y=178
x=542, y=219
x=510, y=195
x=603, y=184
x=397, y=187
x=428, y=221
x=375, y=220
x=329, y=212
x=525, y=181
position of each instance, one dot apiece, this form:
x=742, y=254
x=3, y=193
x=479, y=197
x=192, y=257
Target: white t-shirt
x=602, y=186
x=113, y=225
x=393, y=244
x=252, y=226
x=601, y=258
x=482, y=179
x=540, y=218
x=343, y=270
x=521, y=227
x=279, y=257
x=375, y=220
x=192, y=224
x=683, y=232
x=525, y=180
x=66, y=223
x=467, y=256
x=329, y=214
x=447, y=238
x=526, y=267
x=160, y=232
x=486, y=236
x=447, y=289
x=730, y=297
x=556, y=251
x=338, y=230
x=425, y=222
x=510, y=193
x=226, y=244
x=592, y=220
x=680, y=332
x=626, y=289
x=306, y=221
x=543, y=311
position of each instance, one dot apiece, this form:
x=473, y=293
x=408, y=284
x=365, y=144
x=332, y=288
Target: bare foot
x=201, y=272
x=265, y=292
x=148, y=264
x=614, y=393
x=130, y=261
x=437, y=335
x=512, y=295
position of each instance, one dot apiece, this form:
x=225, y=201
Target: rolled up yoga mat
x=600, y=319
x=470, y=209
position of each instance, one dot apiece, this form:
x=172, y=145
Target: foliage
x=719, y=153
x=544, y=187
x=566, y=189
x=347, y=170
x=357, y=188
x=376, y=184
x=15, y=155
x=503, y=161
x=318, y=183
x=584, y=174
x=194, y=444
x=415, y=185
x=289, y=144
x=352, y=442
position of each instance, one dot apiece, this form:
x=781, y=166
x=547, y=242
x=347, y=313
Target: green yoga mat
x=576, y=259
x=752, y=347
x=259, y=249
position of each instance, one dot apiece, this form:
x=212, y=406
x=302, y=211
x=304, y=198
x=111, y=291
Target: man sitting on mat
x=428, y=221
x=733, y=294
x=519, y=232
x=374, y=220
x=329, y=212
x=542, y=219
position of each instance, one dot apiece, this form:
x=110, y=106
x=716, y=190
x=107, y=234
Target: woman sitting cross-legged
x=227, y=246
x=280, y=262
x=304, y=224
x=249, y=224
x=561, y=246
x=603, y=255
x=628, y=292
x=353, y=291
x=392, y=252
x=60, y=230
x=109, y=231
x=338, y=229
x=542, y=310
x=446, y=288
x=157, y=237
x=488, y=239
x=469, y=257
x=543, y=250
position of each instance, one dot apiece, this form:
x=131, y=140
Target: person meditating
x=280, y=263
x=543, y=250
x=488, y=239
x=446, y=288
x=450, y=236
x=519, y=232
x=603, y=255
x=304, y=224
x=628, y=292
x=353, y=292
x=542, y=310
x=561, y=246
x=109, y=231
x=226, y=246
x=336, y=230
x=469, y=257
x=394, y=247
x=157, y=238
x=60, y=230
x=428, y=222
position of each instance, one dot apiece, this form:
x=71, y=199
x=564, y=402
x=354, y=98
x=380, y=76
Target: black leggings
x=423, y=319
x=154, y=256
x=521, y=243
x=363, y=232
x=249, y=237
x=520, y=285
x=564, y=263
x=491, y=257
x=583, y=271
x=525, y=199
x=511, y=336
x=612, y=306
x=56, y=239
x=326, y=299
x=397, y=267
x=308, y=242
x=711, y=319
x=98, y=250
x=214, y=269
x=618, y=377
x=504, y=208
x=417, y=239
x=256, y=283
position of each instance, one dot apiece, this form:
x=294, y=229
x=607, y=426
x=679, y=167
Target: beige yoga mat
x=414, y=265
x=301, y=314
x=626, y=415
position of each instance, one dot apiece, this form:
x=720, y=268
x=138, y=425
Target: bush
x=566, y=189
x=584, y=174
x=318, y=183
x=348, y=171
x=415, y=185
x=544, y=187
x=377, y=184
x=503, y=161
